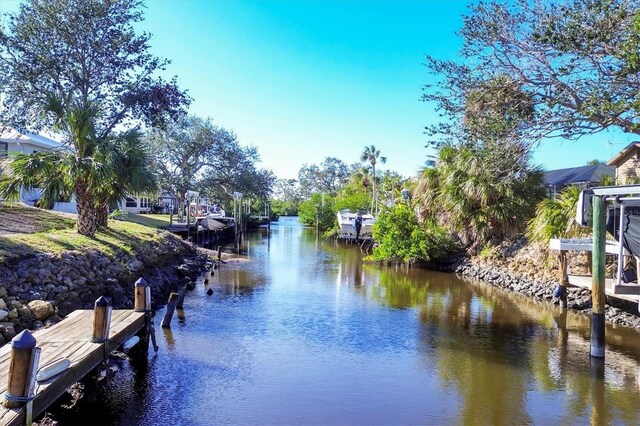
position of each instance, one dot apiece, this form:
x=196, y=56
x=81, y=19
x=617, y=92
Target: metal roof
x=9, y=134
x=572, y=175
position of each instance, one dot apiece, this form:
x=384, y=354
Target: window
x=130, y=202
x=4, y=149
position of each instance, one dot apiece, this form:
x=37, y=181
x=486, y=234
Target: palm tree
x=84, y=171
x=478, y=194
x=98, y=173
x=555, y=217
x=372, y=155
x=128, y=170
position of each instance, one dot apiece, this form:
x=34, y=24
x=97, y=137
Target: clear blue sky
x=303, y=80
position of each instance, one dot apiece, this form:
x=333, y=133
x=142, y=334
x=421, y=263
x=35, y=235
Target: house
x=138, y=203
x=583, y=177
x=12, y=140
x=627, y=164
x=19, y=141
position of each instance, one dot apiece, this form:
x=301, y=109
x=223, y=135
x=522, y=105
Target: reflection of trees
x=490, y=345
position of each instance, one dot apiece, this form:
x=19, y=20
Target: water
x=305, y=333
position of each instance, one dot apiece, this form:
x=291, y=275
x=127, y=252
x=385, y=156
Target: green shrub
x=402, y=238
x=318, y=208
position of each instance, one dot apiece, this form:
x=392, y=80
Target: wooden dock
x=71, y=339
x=631, y=290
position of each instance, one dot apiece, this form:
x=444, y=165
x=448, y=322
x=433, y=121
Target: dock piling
x=171, y=306
x=563, y=277
x=142, y=295
x=598, y=280
x=142, y=303
x=101, y=320
x=23, y=364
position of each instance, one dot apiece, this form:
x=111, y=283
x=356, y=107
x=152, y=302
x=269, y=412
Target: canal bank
x=526, y=269
x=40, y=289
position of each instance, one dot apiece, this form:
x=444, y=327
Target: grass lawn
x=151, y=220
x=42, y=233
x=18, y=218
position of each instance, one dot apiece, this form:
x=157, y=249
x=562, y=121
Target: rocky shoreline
x=41, y=290
x=579, y=299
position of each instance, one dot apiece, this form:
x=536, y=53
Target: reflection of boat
x=347, y=223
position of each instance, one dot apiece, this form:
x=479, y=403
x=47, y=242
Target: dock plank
x=584, y=281
x=70, y=338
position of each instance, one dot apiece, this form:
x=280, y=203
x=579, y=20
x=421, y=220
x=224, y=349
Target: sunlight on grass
x=124, y=236
x=152, y=220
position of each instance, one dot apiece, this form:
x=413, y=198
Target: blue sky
x=303, y=80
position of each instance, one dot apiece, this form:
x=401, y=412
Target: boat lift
x=623, y=204
x=613, y=209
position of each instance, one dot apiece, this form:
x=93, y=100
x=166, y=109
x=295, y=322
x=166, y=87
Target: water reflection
x=301, y=330
x=492, y=346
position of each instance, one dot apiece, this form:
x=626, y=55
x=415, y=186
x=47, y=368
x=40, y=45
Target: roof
x=9, y=134
x=619, y=156
x=581, y=174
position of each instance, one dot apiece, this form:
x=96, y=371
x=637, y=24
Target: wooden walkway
x=70, y=338
x=631, y=290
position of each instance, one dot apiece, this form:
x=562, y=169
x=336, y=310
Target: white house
x=18, y=141
x=137, y=204
x=12, y=140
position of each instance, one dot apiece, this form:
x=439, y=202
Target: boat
x=347, y=223
x=256, y=221
x=216, y=223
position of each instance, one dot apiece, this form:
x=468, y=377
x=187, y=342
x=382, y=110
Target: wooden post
x=142, y=303
x=101, y=320
x=219, y=252
x=140, y=295
x=171, y=306
x=598, y=279
x=22, y=369
x=563, y=277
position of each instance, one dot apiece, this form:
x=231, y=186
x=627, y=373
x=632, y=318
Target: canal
x=300, y=331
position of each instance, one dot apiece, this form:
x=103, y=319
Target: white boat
x=347, y=223
x=214, y=222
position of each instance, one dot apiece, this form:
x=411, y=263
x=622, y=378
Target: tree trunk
x=373, y=202
x=102, y=214
x=86, y=208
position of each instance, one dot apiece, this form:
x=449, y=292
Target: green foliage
x=320, y=208
x=575, y=64
x=79, y=68
x=48, y=71
x=555, y=218
x=328, y=176
x=402, y=238
x=480, y=192
x=353, y=200
x=194, y=154
x=284, y=207
x=489, y=252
